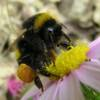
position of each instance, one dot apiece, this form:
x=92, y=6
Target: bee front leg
x=38, y=83
x=66, y=37
x=64, y=45
x=53, y=55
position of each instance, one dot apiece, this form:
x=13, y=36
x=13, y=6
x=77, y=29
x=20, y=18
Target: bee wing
x=12, y=46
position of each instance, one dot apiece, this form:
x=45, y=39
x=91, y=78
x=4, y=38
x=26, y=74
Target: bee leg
x=53, y=55
x=38, y=83
x=48, y=74
x=65, y=45
x=67, y=37
x=44, y=72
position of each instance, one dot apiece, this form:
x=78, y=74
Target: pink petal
x=66, y=89
x=36, y=96
x=89, y=74
x=50, y=93
x=94, y=49
x=69, y=89
x=34, y=91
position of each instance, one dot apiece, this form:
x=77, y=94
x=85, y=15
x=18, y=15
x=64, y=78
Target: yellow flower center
x=69, y=60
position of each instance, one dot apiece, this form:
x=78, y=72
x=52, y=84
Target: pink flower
x=68, y=87
x=14, y=85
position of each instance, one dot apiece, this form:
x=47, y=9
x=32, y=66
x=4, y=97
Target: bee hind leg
x=38, y=83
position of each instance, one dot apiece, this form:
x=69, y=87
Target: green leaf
x=89, y=93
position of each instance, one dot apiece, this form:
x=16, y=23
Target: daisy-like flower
x=79, y=64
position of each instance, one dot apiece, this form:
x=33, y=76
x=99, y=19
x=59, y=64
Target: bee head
x=48, y=29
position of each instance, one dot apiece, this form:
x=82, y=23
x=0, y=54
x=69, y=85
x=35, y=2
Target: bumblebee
x=36, y=47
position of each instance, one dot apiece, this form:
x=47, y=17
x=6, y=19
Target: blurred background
x=80, y=19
